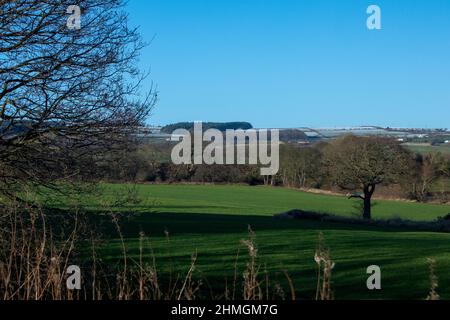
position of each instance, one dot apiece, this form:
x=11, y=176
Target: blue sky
x=279, y=63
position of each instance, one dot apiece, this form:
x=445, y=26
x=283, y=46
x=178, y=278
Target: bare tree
x=362, y=163
x=429, y=168
x=300, y=166
x=66, y=95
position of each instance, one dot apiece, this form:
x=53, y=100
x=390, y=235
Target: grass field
x=424, y=148
x=212, y=220
x=251, y=201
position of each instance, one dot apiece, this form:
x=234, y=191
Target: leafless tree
x=67, y=95
x=428, y=170
x=300, y=166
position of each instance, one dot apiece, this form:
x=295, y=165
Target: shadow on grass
x=156, y=223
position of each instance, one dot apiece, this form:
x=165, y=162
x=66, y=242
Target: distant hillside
x=222, y=126
x=290, y=135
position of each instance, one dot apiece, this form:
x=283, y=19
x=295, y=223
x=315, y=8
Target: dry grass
x=251, y=285
x=35, y=254
x=434, y=281
x=33, y=264
x=324, y=269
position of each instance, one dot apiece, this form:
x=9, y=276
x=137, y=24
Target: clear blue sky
x=279, y=63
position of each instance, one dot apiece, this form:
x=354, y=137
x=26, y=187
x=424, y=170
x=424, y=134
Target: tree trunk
x=368, y=193
x=367, y=213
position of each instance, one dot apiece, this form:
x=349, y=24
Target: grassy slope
x=262, y=201
x=213, y=219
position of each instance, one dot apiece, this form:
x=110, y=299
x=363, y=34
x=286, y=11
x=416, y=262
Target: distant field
x=424, y=149
x=211, y=220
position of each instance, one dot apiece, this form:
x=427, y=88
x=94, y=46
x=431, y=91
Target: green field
x=251, y=201
x=212, y=220
x=425, y=149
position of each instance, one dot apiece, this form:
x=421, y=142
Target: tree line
x=356, y=166
x=221, y=126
